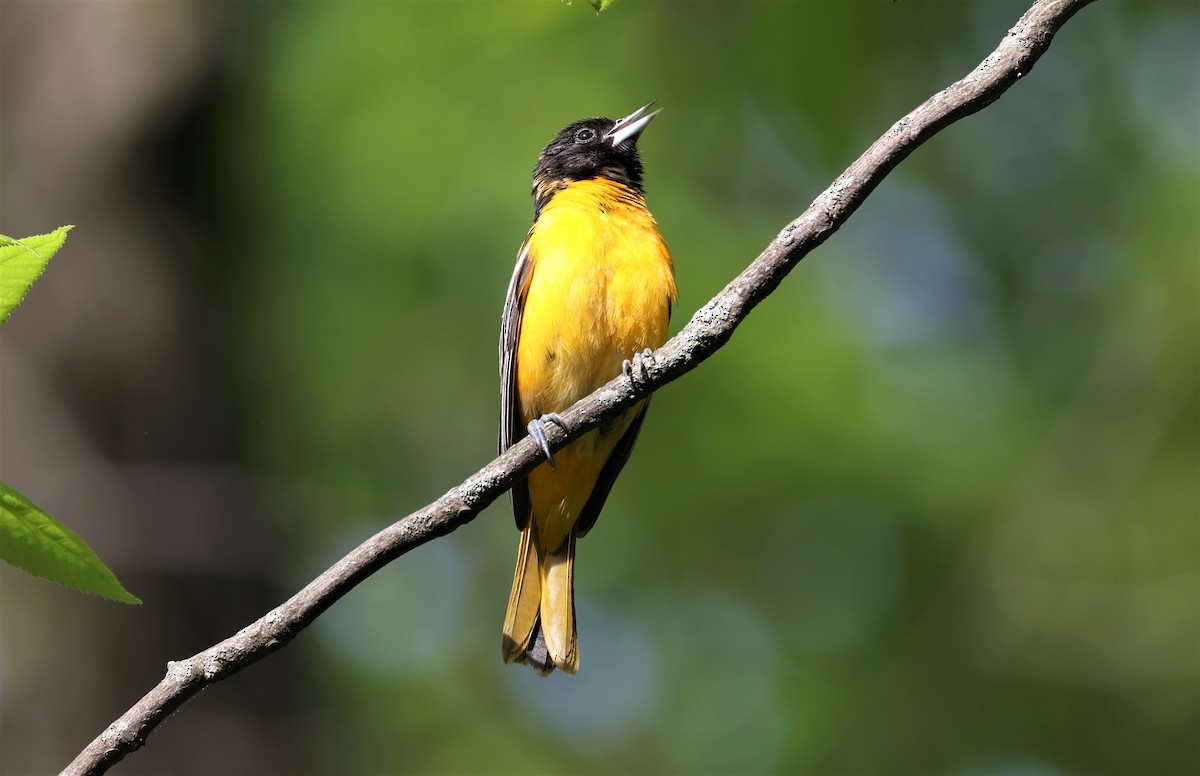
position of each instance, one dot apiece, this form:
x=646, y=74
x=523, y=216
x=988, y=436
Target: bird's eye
x=585, y=135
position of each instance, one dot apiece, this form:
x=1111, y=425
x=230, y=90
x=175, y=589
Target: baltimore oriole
x=591, y=294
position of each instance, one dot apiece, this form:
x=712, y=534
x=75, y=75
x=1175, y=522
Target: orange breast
x=600, y=290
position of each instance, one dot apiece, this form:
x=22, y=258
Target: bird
x=590, y=298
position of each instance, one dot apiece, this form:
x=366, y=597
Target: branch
x=709, y=329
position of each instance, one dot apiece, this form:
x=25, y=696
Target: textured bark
x=709, y=329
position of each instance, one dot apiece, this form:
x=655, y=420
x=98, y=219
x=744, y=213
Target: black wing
x=511, y=428
x=608, y=475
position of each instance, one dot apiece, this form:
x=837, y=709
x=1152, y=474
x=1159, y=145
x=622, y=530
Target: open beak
x=632, y=125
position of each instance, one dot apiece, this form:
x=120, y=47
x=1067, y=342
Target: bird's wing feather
x=608, y=475
x=511, y=428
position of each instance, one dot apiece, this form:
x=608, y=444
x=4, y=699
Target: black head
x=592, y=148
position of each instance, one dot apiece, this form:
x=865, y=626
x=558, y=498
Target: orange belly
x=600, y=290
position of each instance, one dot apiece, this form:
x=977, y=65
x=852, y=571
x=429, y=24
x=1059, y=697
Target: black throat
x=580, y=152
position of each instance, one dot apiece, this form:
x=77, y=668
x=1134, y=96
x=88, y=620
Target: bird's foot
x=538, y=432
x=636, y=369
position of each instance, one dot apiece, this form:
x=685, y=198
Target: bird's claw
x=538, y=432
x=636, y=370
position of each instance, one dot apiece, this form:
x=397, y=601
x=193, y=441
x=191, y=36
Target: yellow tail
x=539, y=628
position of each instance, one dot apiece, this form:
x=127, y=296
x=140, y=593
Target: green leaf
x=33, y=541
x=600, y=5
x=21, y=261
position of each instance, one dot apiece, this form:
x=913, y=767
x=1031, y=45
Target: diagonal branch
x=709, y=329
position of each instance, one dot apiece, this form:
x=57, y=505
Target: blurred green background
x=934, y=509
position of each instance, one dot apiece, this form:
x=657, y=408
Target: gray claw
x=636, y=370
x=538, y=432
